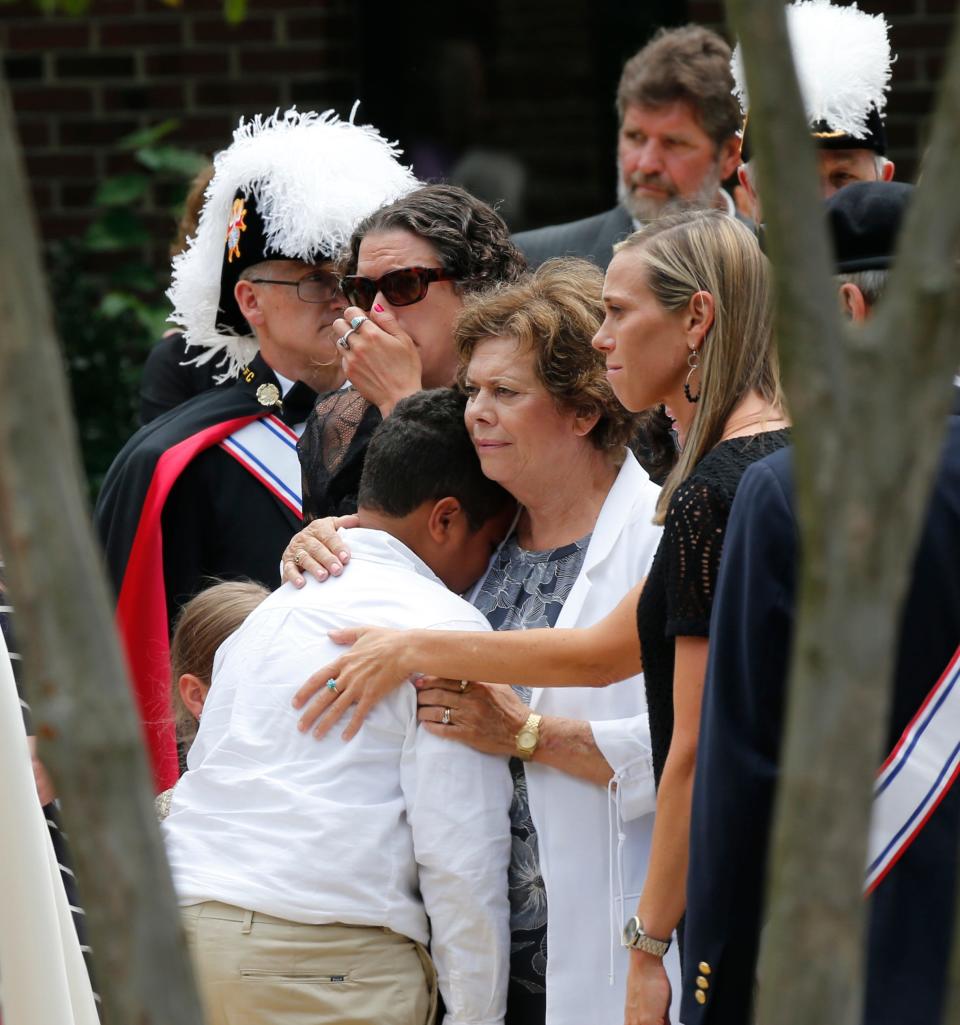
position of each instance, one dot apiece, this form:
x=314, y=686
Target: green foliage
x=234, y=11
x=123, y=189
x=109, y=319
x=117, y=228
x=104, y=346
x=146, y=137
x=171, y=159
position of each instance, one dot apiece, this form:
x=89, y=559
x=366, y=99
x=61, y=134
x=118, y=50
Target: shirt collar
x=379, y=546
x=285, y=383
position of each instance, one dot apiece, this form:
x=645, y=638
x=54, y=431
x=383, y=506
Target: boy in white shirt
x=311, y=876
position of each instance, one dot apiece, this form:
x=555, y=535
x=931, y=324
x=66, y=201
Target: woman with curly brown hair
x=548, y=427
x=688, y=323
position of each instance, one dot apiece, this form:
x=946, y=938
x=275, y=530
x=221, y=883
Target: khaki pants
x=254, y=969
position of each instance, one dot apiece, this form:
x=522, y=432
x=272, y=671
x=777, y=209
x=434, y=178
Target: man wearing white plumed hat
x=842, y=56
x=213, y=487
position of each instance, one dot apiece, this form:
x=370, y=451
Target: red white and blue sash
x=916, y=776
x=267, y=448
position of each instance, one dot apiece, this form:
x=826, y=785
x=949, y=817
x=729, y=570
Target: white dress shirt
x=390, y=829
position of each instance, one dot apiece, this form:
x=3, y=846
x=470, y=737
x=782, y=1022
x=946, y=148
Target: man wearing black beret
x=912, y=875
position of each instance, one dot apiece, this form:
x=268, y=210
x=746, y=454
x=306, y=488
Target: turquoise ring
x=332, y=685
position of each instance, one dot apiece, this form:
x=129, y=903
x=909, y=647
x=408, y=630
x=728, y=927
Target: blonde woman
x=688, y=325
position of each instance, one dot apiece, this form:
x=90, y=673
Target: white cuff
x=625, y=743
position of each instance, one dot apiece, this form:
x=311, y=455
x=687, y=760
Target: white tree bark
x=88, y=733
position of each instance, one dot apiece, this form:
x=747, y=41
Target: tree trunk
x=73, y=672
x=869, y=408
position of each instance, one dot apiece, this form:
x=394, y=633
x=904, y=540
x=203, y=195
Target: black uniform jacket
x=168, y=381
x=911, y=913
x=176, y=510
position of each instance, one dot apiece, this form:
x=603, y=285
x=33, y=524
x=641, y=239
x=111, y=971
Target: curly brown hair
x=471, y=239
x=554, y=312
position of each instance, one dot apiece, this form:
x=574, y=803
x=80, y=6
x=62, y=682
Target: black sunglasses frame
x=318, y=276
x=425, y=276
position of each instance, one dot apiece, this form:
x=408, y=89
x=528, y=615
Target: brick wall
x=919, y=34
x=80, y=84
x=547, y=73
x=549, y=70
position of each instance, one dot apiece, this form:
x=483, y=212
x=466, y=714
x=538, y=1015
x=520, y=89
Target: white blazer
x=586, y=832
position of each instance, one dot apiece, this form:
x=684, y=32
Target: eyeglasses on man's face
x=319, y=287
x=402, y=287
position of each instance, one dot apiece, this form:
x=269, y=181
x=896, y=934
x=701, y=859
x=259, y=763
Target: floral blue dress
x=525, y=590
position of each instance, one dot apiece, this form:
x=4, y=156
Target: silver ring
x=357, y=321
x=342, y=340
x=463, y=686
x=445, y=718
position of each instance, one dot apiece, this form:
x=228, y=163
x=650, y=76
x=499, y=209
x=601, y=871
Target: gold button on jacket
x=704, y=968
x=702, y=982
x=700, y=996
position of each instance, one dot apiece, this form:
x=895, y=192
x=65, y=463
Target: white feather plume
x=842, y=57
x=314, y=177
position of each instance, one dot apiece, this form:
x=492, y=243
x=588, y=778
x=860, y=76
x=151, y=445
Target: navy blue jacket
x=911, y=914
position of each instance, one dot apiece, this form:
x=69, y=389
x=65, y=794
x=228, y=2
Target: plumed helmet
x=290, y=186
x=842, y=56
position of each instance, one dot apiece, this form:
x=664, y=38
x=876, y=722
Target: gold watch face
x=526, y=740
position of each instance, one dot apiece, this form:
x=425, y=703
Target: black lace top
x=331, y=451
x=678, y=596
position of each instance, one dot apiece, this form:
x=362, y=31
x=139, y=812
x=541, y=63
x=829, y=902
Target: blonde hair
x=202, y=625
x=708, y=251
x=553, y=313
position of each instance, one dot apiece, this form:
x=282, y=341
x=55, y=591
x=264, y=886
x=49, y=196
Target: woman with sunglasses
x=407, y=269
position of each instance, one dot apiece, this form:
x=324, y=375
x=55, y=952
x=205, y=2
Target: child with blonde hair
x=204, y=623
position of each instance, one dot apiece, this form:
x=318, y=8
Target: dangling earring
x=693, y=362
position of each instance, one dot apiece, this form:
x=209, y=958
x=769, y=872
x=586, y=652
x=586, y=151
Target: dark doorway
x=514, y=100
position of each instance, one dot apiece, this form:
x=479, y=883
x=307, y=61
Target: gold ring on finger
x=463, y=686
x=299, y=557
